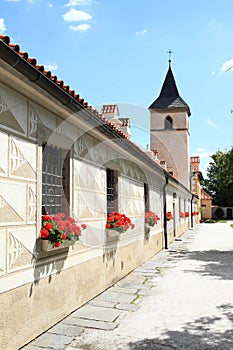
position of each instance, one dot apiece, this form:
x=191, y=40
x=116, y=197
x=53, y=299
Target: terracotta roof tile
x=205, y=195
x=49, y=75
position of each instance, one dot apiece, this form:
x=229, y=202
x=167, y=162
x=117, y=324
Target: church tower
x=169, y=129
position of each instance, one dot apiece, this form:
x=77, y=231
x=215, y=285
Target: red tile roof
x=205, y=195
x=73, y=94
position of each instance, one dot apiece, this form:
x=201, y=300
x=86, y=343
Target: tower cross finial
x=170, y=52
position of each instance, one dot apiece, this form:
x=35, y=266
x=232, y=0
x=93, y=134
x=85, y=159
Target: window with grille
x=146, y=197
x=55, y=180
x=112, y=199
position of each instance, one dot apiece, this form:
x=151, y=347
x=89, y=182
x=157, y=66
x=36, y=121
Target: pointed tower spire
x=169, y=129
x=169, y=96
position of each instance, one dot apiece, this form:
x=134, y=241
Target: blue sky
x=115, y=51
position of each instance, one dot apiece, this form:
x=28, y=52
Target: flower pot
x=112, y=237
x=147, y=228
x=113, y=234
x=47, y=246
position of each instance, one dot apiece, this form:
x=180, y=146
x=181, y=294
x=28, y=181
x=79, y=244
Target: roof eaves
x=45, y=79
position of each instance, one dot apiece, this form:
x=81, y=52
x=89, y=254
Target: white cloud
x=226, y=66
x=201, y=150
x=2, y=25
x=76, y=15
x=50, y=66
x=50, y=5
x=142, y=32
x=202, y=153
x=12, y=0
x=79, y=3
x=212, y=124
x=80, y=28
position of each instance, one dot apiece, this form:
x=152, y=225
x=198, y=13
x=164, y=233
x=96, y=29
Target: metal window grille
x=111, y=191
x=52, y=180
x=146, y=197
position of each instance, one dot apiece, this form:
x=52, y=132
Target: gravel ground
x=190, y=305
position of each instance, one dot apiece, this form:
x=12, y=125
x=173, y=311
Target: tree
x=219, y=182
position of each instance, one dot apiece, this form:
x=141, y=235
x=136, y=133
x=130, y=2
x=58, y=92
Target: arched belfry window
x=168, y=122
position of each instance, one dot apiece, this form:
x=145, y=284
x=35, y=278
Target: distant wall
x=227, y=212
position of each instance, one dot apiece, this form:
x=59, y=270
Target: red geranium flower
x=151, y=218
x=44, y=233
x=117, y=221
x=71, y=220
x=57, y=229
x=46, y=218
x=48, y=226
x=77, y=231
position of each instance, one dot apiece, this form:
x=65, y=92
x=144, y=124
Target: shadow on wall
x=110, y=248
x=49, y=266
x=202, y=333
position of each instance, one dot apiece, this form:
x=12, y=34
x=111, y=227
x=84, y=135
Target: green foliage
x=209, y=221
x=219, y=182
x=202, y=209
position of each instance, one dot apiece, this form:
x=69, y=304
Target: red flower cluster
x=169, y=216
x=195, y=213
x=182, y=215
x=151, y=218
x=57, y=229
x=118, y=222
x=186, y=214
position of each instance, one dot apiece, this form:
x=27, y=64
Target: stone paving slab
x=52, y=341
x=144, y=292
x=145, y=269
x=82, y=322
x=69, y=330
x=31, y=347
x=127, y=307
x=96, y=313
x=142, y=286
x=116, y=297
x=100, y=303
x=118, y=289
x=130, y=279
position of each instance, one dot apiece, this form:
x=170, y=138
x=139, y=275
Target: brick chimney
x=195, y=163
